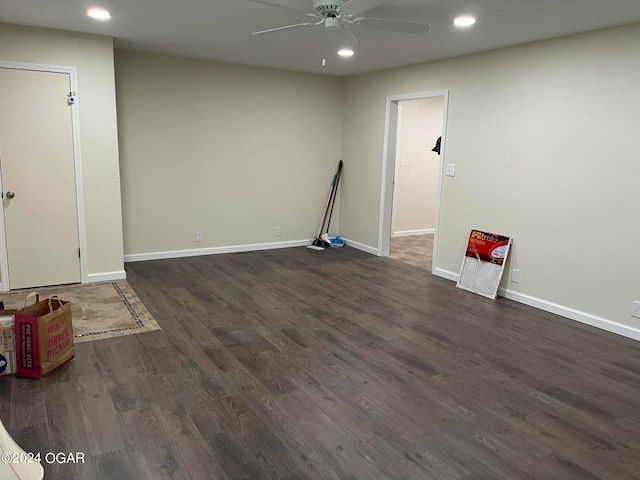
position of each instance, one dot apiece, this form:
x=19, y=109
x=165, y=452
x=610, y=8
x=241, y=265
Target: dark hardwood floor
x=296, y=364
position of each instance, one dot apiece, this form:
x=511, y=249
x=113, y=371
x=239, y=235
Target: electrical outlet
x=515, y=276
x=198, y=236
x=635, y=309
x=278, y=231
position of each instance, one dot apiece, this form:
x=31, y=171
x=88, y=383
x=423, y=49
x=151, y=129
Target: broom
x=325, y=235
x=319, y=243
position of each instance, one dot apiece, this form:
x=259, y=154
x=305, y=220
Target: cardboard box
x=7, y=343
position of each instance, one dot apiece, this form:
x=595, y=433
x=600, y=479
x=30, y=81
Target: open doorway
x=413, y=171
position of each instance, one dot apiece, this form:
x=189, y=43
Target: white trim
x=572, y=314
x=386, y=200
x=77, y=154
x=440, y=272
x=77, y=159
x=566, y=312
x=36, y=66
x=396, y=170
x=410, y=233
x=443, y=145
x=385, y=204
x=4, y=252
x=361, y=246
x=416, y=96
x=107, y=276
x=141, y=257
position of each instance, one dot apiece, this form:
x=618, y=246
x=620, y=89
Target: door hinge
x=79, y=256
x=72, y=98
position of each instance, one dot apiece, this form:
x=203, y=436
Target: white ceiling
x=221, y=29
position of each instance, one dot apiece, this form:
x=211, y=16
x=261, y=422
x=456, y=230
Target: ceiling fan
x=336, y=14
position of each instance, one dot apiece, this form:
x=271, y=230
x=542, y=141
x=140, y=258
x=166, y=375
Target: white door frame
x=398, y=136
x=75, y=132
x=389, y=171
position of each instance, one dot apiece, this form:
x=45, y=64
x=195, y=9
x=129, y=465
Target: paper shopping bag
x=44, y=337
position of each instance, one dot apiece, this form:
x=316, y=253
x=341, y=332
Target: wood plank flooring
x=297, y=364
x=416, y=250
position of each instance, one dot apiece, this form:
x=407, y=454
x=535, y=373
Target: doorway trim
x=75, y=132
x=389, y=170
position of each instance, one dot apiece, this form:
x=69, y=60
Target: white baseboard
x=100, y=277
x=106, y=276
x=141, y=257
x=577, y=315
x=439, y=272
x=410, y=233
x=360, y=246
x=570, y=313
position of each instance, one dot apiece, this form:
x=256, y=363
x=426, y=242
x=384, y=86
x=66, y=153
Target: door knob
x=10, y=195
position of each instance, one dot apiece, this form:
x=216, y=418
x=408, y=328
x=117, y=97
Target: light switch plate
x=451, y=170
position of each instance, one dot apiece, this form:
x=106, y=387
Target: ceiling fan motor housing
x=328, y=8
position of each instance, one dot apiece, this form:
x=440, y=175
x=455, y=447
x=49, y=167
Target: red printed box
x=7, y=344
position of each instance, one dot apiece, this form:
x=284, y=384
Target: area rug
x=98, y=310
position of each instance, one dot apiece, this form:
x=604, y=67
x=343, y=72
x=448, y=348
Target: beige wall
x=544, y=137
x=93, y=58
x=416, y=185
x=229, y=151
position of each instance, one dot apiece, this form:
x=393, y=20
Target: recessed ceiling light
x=345, y=52
x=464, y=21
x=99, y=13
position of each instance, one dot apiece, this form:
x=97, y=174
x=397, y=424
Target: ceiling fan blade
x=393, y=25
x=283, y=28
x=291, y=6
x=358, y=7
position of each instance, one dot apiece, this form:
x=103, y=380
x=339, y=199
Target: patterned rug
x=98, y=310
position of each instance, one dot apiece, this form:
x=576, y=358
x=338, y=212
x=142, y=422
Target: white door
x=388, y=180
x=38, y=178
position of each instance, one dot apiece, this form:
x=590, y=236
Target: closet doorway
x=40, y=230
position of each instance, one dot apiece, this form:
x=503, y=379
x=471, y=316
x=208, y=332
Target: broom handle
x=335, y=194
x=326, y=209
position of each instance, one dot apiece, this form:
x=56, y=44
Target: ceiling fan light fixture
x=346, y=52
x=332, y=23
x=99, y=13
x=464, y=21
